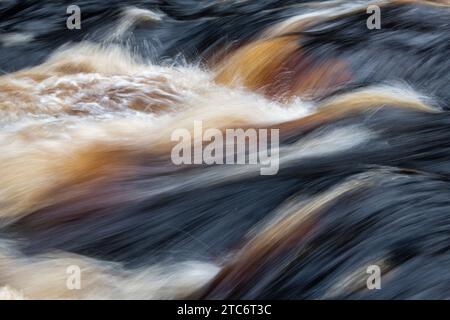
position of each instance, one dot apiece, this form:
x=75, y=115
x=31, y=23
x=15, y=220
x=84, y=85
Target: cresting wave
x=86, y=118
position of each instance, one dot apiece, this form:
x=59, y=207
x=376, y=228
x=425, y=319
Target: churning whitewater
x=275, y=149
